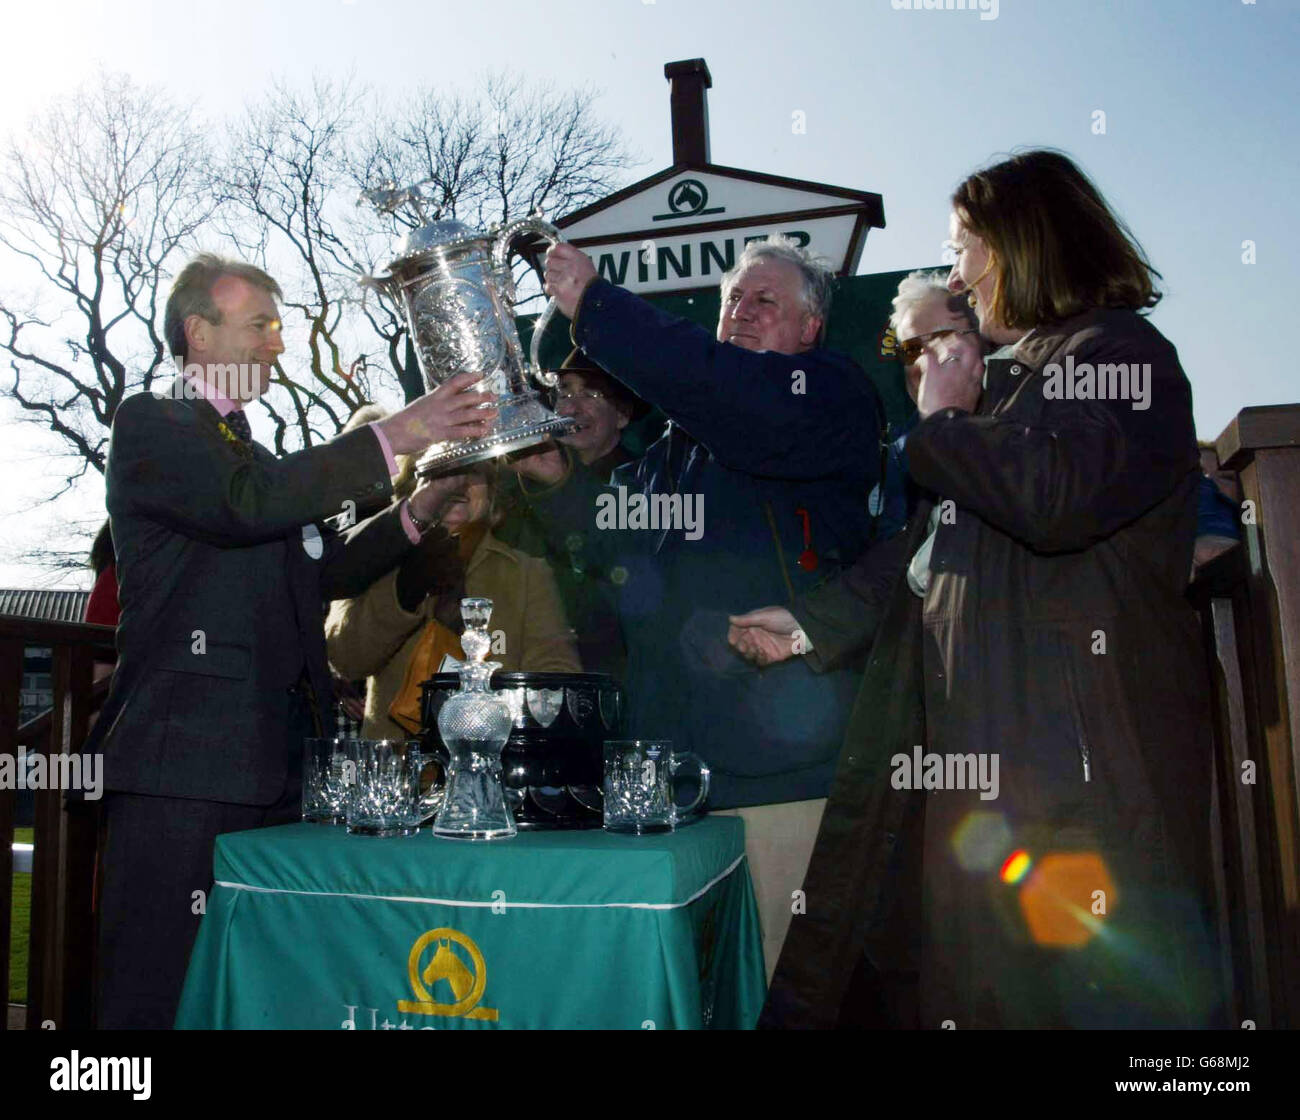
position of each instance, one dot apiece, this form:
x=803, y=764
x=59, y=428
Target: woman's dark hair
x=1057, y=247
x=101, y=550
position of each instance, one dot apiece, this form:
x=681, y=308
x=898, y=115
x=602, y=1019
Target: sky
x=1200, y=152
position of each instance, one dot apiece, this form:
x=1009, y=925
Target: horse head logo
x=447, y=965
x=466, y=978
x=688, y=196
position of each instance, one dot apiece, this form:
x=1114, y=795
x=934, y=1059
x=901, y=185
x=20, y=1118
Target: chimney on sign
x=689, y=81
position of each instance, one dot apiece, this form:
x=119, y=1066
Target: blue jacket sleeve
x=1215, y=515
x=794, y=416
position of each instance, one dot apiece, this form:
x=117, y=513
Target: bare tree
x=61, y=560
x=545, y=151
x=96, y=199
x=111, y=184
x=515, y=149
x=284, y=182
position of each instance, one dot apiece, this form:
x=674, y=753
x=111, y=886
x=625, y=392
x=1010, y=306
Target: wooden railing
x=1249, y=601
x=60, y=974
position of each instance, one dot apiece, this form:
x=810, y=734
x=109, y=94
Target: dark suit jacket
x=221, y=595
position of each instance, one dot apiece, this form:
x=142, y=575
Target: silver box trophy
x=456, y=293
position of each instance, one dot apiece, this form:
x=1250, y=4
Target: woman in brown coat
x=1031, y=636
x=376, y=634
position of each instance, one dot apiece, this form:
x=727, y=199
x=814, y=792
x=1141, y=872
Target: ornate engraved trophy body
x=456, y=293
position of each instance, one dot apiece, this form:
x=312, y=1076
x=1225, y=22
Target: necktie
x=237, y=422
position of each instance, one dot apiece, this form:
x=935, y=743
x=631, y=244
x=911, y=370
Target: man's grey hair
x=192, y=294
x=921, y=286
x=815, y=271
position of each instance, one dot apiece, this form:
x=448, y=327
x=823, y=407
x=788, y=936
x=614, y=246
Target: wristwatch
x=420, y=523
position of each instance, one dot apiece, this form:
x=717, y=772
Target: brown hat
x=618, y=393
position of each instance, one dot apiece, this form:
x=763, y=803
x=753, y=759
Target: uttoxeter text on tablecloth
x=455, y=967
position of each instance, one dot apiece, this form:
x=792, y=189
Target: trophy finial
x=385, y=198
x=388, y=197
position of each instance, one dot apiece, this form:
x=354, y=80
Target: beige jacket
x=371, y=636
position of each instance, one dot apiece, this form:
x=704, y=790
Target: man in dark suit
x=223, y=561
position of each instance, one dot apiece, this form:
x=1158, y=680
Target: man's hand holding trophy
x=462, y=407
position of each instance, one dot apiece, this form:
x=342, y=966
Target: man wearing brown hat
x=602, y=407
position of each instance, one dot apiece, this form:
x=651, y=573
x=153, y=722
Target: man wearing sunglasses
x=935, y=331
x=602, y=408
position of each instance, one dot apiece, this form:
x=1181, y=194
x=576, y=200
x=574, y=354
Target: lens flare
x=1016, y=866
x=981, y=841
x=1068, y=899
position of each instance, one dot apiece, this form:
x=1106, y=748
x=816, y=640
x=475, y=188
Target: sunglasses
x=913, y=348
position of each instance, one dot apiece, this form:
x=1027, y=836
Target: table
x=310, y=928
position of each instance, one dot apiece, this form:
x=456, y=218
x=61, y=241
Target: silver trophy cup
x=456, y=293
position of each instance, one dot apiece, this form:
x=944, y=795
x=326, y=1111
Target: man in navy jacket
x=760, y=482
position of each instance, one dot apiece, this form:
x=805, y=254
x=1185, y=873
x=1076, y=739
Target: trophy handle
x=500, y=264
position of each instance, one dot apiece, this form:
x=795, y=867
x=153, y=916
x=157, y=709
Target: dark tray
x=552, y=762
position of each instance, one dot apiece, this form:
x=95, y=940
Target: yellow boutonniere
x=240, y=445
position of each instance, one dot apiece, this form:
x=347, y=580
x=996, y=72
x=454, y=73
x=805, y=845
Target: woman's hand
x=433, y=494
x=425, y=569
x=955, y=379
x=764, y=636
x=353, y=702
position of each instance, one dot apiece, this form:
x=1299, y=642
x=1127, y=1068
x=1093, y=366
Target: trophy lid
x=432, y=236
x=436, y=235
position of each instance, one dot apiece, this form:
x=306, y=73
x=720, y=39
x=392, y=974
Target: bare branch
x=96, y=198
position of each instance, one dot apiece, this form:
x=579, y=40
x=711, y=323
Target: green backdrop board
x=310, y=928
x=859, y=317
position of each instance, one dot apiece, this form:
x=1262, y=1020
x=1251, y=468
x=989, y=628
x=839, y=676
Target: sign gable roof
x=618, y=213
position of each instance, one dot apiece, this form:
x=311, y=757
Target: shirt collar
x=224, y=405
x=1006, y=351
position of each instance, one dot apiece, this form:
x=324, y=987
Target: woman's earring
x=970, y=297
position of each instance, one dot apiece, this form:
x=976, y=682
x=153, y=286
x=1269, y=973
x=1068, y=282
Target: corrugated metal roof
x=49, y=606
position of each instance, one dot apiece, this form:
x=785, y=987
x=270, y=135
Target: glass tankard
x=325, y=781
x=386, y=796
x=639, y=793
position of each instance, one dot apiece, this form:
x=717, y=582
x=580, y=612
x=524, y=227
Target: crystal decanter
x=474, y=724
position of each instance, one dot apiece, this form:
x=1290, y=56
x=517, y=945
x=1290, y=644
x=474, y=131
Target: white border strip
x=498, y=905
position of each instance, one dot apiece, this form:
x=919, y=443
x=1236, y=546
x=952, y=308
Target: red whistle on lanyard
x=807, y=558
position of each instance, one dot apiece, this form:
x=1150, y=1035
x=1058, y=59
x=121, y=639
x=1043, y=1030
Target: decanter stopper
x=476, y=641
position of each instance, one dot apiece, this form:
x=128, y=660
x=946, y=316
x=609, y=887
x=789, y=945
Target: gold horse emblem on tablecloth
x=467, y=981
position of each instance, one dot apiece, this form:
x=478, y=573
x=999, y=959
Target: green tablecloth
x=310, y=928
